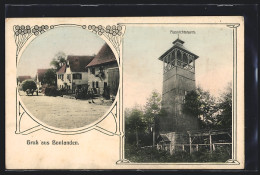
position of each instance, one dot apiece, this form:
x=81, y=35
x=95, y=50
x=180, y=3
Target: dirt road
x=62, y=112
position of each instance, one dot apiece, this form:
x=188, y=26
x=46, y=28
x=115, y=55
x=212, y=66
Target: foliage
x=137, y=154
x=224, y=118
x=84, y=93
x=50, y=77
x=152, y=110
x=58, y=60
x=208, y=108
x=211, y=113
x=192, y=105
x=134, y=124
x=29, y=84
x=51, y=91
x=141, y=123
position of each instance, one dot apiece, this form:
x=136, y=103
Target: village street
x=63, y=112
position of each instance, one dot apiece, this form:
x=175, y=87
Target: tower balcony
x=181, y=64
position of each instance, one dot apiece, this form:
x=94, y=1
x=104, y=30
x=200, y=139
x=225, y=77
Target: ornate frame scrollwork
x=22, y=33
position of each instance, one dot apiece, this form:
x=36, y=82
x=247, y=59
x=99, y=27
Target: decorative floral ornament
x=39, y=29
x=22, y=33
x=112, y=33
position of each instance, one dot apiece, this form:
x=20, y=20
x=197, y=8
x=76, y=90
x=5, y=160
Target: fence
x=172, y=148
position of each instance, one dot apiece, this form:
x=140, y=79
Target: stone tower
x=178, y=79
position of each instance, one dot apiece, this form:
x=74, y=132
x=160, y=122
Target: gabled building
x=73, y=74
x=103, y=72
x=39, y=77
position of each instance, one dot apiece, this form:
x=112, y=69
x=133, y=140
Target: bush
x=83, y=93
x=29, y=84
x=51, y=91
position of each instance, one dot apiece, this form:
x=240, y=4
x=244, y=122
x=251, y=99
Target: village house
x=103, y=72
x=39, y=78
x=98, y=72
x=73, y=74
x=20, y=80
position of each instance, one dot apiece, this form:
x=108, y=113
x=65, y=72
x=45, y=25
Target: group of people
x=86, y=92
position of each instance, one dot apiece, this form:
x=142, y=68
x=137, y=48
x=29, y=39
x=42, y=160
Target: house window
x=101, y=69
x=93, y=84
x=86, y=69
x=77, y=76
x=69, y=77
x=93, y=70
x=96, y=84
x=60, y=76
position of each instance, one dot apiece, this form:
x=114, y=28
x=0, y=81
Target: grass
x=137, y=154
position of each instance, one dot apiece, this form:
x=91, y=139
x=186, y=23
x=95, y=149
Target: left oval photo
x=67, y=77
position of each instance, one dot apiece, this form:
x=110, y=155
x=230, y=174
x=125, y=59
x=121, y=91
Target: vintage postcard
x=125, y=93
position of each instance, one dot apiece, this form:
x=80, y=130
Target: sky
x=70, y=40
x=143, y=45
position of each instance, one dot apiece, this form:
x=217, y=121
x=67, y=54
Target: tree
x=50, y=77
x=201, y=105
x=192, y=104
x=208, y=109
x=134, y=123
x=29, y=84
x=58, y=60
x=224, y=119
x=152, y=108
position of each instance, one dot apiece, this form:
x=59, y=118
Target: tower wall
x=176, y=83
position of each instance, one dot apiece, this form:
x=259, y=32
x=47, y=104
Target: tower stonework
x=178, y=80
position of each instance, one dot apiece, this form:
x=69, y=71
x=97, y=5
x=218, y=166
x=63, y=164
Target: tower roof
x=178, y=43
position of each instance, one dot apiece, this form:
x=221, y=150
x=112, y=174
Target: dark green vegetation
x=29, y=84
x=50, y=77
x=58, y=60
x=52, y=91
x=141, y=123
x=138, y=154
x=212, y=113
x=142, y=126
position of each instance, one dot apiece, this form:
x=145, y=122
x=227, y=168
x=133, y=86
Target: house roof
x=22, y=78
x=62, y=70
x=164, y=138
x=105, y=55
x=78, y=63
x=40, y=73
x=178, y=44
